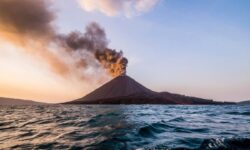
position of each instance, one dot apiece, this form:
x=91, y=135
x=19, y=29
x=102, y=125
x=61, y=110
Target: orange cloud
x=128, y=8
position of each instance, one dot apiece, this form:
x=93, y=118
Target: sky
x=195, y=48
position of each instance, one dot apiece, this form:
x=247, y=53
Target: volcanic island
x=125, y=90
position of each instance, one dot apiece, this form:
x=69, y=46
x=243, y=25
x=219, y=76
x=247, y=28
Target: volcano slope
x=125, y=90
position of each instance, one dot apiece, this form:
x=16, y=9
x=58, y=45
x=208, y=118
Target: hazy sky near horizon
x=197, y=48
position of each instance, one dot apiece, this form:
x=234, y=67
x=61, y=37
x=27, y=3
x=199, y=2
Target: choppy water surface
x=124, y=127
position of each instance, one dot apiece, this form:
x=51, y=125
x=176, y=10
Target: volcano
x=125, y=90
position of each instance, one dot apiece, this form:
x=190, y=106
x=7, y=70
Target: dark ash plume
x=26, y=17
x=29, y=23
x=94, y=41
x=93, y=38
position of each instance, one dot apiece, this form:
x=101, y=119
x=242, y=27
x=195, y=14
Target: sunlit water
x=124, y=127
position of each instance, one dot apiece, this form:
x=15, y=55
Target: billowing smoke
x=29, y=23
x=26, y=18
x=94, y=41
x=94, y=38
x=113, y=61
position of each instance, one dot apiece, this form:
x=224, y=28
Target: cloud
x=128, y=8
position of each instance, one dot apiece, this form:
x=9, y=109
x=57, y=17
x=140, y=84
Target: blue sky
x=199, y=48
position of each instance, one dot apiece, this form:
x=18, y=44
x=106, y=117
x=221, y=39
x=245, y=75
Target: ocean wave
x=226, y=144
x=125, y=127
x=210, y=144
x=153, y=129
x=177, y=119
x=239, y=113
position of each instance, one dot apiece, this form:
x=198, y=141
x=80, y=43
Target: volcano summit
x=125, y=90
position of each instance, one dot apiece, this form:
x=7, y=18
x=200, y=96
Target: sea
x=125, y=127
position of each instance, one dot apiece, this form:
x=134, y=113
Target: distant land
x=125, y=90
x=12, y=101
x=245, y=102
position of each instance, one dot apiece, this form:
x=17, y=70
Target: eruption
x=29, y=24
x=113, y=61
x=95, y=42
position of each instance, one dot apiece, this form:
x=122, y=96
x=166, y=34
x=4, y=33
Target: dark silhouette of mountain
x=11, y=101
x=125, y=90
x=244, y=102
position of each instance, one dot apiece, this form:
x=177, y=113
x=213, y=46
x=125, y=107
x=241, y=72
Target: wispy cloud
x=128, y=8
